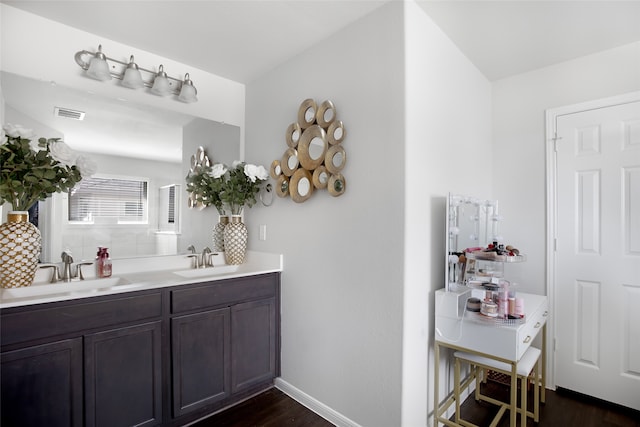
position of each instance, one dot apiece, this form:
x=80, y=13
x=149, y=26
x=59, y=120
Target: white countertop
x=137, y=274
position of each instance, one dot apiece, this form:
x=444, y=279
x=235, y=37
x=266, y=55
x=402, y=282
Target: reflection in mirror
x=282, y=187
x=125, y=140
x=328, y=116
x=336, y=132
x=293, y=135
x=276, y=170
x=307, y=113
x=292, y=162
x=316, y=148
x=304, y=186
x=320, y=177
x=300, y=187
x=310, y=114
x=289, y=162
x=169, y=208
x=326, y=113
x=472, y=223
x=337, y=160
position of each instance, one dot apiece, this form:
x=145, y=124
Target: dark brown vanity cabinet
x=86, y=362
x=224, y=341
x=200, y=356
x=158, y=357
x=123, y=376
x=47, y=377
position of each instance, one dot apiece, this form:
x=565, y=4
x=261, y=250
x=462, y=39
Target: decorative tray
x=493, y=256
x=496, y=321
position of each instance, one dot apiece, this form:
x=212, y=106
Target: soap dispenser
x=103, y=263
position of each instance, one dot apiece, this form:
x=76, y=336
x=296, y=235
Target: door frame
x=551, y=118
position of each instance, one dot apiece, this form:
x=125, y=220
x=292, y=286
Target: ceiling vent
x=69, y=114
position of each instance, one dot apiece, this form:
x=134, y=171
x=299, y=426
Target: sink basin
x=76, y=287
x=209, y=271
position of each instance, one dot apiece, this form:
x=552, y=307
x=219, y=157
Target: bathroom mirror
x=124, y=139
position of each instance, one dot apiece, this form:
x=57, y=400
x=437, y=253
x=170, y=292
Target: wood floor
x=562, y=409
x=272, y=408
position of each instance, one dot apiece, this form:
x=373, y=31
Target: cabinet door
x=42, y=385
x=123, y=376
x=253, y=343
x=200, y=353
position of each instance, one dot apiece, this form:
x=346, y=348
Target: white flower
x=62, y=153
x=218, y=170
x=35, y=145
x=253, y=172
x=15, y=131
x=86, y=166
x=235, y=164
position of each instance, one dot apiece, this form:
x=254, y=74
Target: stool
x=528, y=363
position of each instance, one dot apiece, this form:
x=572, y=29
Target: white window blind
x=119, y=200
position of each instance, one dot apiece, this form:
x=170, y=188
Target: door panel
x=253, y=348
x=598, y=261
x=123, y=376
x=200, y=349
x=42, y=385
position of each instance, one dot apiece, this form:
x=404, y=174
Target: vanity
x=473, y=315
x=163, y=347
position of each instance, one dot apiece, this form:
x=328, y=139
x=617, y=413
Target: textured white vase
x=20, y=244
x=235, y=240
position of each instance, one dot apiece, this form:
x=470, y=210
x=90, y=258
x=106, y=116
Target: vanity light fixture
x=188, y=91
x=161, y=85
x=98, y=68
x=132, y=77
x=101, y=67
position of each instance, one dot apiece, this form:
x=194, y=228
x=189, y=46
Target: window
x=109, y=200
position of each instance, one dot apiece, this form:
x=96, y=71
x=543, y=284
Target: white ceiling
x=504, y=38
x=241, y=39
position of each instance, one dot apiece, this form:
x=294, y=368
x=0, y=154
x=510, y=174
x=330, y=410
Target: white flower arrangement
x=30, y=173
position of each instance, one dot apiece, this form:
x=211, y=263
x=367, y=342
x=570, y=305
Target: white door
x=597, y=288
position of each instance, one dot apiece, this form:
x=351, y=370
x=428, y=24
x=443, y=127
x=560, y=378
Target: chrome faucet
x=191, y=249
x=67, y=274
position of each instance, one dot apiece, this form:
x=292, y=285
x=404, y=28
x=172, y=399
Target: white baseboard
x=316, y=406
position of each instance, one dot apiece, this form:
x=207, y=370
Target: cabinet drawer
x=532, y=328
x=28, y=323
x=223, y=293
